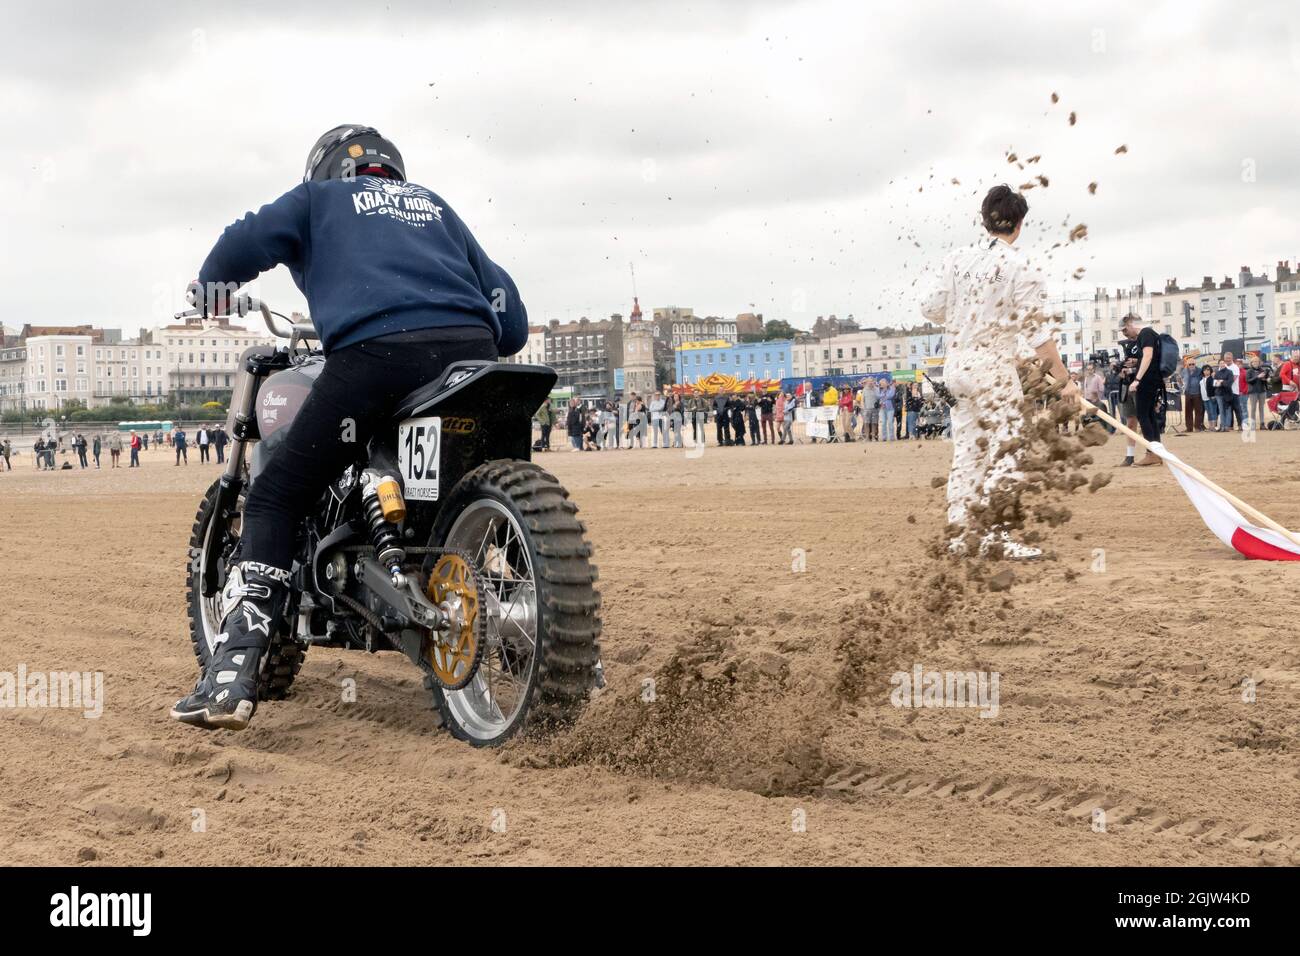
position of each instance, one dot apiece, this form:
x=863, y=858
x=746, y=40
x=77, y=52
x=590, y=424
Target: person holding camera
x=1146, y=386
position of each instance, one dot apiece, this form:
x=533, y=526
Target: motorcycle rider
x=991, y=300
x=398, y=288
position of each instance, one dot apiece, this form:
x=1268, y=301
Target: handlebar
x=244, y=304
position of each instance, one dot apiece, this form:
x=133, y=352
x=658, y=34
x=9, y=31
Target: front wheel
x=514, y=521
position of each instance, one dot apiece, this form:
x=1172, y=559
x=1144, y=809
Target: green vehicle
x=152, y=427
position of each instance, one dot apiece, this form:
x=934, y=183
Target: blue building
x=759, y=360
x=925, y=344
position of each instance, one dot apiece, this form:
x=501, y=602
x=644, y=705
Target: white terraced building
x=202, y=359
x=1286, y=305
x=853, y=353
x=1201, y=318
x=45, y=367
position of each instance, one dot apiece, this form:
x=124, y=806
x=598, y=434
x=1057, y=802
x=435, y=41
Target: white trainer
x=1012, y=550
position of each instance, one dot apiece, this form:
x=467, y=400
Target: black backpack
x=1170, y=357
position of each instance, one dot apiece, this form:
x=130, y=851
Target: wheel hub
x=453, y=652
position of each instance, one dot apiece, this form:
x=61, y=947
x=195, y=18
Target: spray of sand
x=713, y=713
x=721, y=713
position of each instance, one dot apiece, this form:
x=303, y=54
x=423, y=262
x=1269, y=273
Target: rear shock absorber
x=383, y=507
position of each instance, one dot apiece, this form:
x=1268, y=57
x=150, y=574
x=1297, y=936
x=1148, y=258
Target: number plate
x=419, y=443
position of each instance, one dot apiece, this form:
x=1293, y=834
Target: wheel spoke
x=480, y=556
x=505, y=665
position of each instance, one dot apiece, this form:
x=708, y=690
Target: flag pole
x=1255, y=515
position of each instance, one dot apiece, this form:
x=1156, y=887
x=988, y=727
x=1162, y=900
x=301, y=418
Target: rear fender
x=487, y=413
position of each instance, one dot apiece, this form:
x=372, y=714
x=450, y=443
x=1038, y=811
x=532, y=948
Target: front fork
x=231, y=482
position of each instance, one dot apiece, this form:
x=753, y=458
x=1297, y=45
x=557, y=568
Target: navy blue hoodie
x=373, y=256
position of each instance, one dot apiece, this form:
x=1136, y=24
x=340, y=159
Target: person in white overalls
x=990, y=301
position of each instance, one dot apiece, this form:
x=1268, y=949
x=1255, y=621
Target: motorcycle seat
x=479, y=386
x=452, y=375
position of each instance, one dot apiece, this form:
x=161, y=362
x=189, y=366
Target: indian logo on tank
x=404, y=202
x=271, y=405
x=279, y=402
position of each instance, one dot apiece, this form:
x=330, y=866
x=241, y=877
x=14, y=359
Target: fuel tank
x=279, y=400
x=281, y=396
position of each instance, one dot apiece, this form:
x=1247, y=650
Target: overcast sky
x=797, y=156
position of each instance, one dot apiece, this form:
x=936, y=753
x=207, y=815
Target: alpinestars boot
x=226, y=695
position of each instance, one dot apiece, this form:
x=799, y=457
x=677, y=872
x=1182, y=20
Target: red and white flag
x=1226, y=522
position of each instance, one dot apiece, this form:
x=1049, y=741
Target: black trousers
x=1148, y=403
x=355, y=395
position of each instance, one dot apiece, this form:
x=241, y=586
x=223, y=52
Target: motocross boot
x=226, y=694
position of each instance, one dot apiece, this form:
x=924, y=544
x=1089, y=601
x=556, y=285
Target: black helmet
x=350, y=149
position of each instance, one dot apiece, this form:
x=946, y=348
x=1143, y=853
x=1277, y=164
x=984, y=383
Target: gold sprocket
x=454, y=654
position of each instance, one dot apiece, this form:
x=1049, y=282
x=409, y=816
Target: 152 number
x=421, y=452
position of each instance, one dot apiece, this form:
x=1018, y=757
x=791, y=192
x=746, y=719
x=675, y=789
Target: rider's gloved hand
x=217, y=299
x=195, y=297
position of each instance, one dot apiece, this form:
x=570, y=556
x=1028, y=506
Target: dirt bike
x=441, y=540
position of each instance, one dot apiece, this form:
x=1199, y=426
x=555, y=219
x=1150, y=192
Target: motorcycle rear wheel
x=515, y=522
